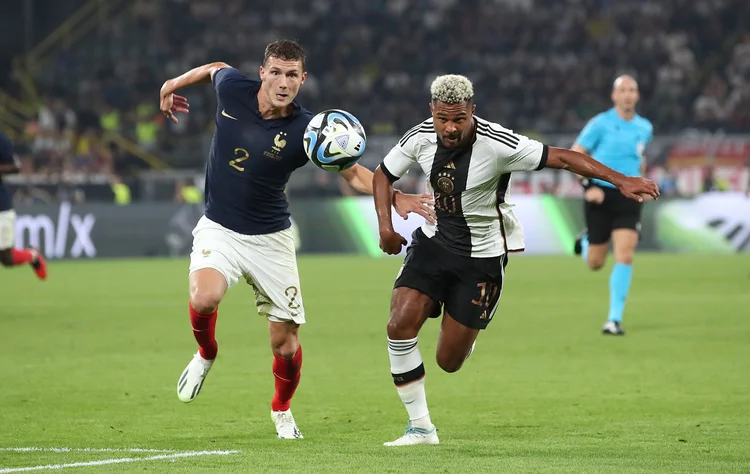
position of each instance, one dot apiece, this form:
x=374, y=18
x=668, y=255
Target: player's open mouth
x=281, y=96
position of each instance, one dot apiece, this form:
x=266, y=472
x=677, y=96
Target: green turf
x=91, y=357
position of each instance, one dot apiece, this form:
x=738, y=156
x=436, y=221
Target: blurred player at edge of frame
x=458, y=263
x=245, y=232
x=9, y=256
x=616, y=138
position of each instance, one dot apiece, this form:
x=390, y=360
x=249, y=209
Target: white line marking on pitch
x=88, y=450
x=104, y=462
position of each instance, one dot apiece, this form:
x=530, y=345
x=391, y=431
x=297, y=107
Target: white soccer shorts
x=7, y=229
x=267, y=262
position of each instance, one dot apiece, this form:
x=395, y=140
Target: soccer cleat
x=286, y=428
x=414, y=436
x=613, y=328
x=577, y=247
x=192, y=378
x=39, y=264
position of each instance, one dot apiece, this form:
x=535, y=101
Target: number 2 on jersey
x=291, y=293
x=240, y=155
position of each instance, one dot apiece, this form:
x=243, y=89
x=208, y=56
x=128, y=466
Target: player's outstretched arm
x=361, y=179
x=634, y=188
x=170, y=103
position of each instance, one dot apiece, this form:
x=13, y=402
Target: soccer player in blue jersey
x=617, y=139
x=9, y=256
x=246, y=230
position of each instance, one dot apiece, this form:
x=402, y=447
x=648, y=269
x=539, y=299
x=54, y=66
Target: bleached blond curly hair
x=451, y=89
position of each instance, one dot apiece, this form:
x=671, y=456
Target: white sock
x=407, y=370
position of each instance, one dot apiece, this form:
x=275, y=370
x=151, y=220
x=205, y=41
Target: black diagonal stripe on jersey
x=416, y=127
x=505, y=141
x=485, y=127
x=423, y=129
x=453, y=231
x=502, y=189
x=410, y=133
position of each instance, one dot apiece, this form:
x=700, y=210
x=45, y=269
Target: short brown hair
x=287, y=50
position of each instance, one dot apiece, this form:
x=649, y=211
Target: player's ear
x=473, y=108
x=261, y=72
x=304, y=77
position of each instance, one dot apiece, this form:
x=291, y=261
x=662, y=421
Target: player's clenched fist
x=391, y=242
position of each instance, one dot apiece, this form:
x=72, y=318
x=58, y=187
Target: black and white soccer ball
x=334, y=140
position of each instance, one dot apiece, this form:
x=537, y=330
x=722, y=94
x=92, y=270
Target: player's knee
x=450, y=363
x=6, y=258
x=205, y=301
x=400, y=328
x=624, y=257
x=285, y=348
x=596, y=263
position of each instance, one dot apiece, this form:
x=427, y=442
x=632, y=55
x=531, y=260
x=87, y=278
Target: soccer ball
x=334, y=140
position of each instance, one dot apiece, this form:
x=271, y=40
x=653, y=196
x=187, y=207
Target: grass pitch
x=90, y=359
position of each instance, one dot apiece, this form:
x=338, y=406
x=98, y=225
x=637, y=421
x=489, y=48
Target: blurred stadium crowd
x=539, y=66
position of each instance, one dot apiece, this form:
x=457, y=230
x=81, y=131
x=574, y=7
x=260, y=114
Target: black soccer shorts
x=616, y=212
x=469, y=288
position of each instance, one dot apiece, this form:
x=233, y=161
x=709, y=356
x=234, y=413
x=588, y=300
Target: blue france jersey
x=617, y=143
x=6, y=158
x=251, y=158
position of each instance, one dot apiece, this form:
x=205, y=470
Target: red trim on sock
x=21, y=257
x=287, y=375
x=204, y=331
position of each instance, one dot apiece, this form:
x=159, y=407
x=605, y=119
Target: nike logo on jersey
x=225, y=114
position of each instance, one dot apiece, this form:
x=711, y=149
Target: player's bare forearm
x=643, y=166
x=582, y=165
x=360, y=178
x=383, y=192
x=579, y=149
x=199, y=75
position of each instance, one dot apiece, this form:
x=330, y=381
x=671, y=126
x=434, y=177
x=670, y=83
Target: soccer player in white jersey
x=459, y=262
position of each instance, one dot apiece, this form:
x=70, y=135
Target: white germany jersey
x=470, y=185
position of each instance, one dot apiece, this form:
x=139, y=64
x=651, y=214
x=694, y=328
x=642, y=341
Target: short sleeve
x=6, y=150
x=591, y=135
x=404, y=154
x=649, y=134
x=527, y=155
x=229, y=82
